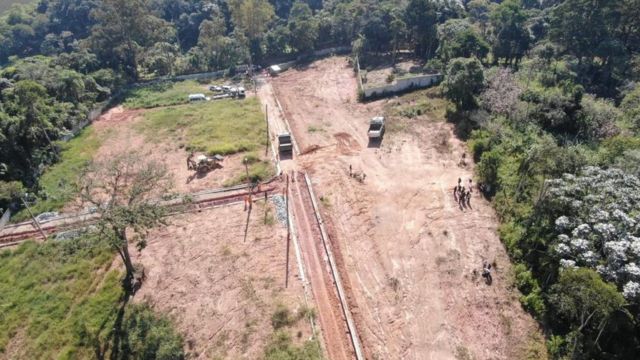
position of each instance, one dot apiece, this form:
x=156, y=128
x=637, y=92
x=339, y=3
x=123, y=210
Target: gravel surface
x=280, y=205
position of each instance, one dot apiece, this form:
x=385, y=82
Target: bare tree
x=125, y=191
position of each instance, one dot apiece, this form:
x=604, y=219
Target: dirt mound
x=310, y=149
x=347, y=145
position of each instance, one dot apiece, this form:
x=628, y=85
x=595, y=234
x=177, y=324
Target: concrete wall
x=400, y=85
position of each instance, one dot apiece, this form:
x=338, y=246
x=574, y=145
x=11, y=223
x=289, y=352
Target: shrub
x=281, y=317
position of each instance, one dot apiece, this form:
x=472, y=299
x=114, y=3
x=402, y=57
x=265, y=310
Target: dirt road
x=406, y=250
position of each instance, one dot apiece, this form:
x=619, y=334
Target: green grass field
x=162, y=94
x=58, y=182
x=216, y=127
x=61, y=300
x=54, y=298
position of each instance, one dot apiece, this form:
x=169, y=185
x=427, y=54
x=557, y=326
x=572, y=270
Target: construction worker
x=486, y=272
x=469, y=198
x=190, y=163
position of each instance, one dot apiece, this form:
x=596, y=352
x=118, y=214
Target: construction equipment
x=204, y=164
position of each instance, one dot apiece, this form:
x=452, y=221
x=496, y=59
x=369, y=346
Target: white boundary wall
x=400, y=85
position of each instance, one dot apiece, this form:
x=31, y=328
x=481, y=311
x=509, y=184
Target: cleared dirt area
x=406, y=250
x=220, y=288
x=118, y=124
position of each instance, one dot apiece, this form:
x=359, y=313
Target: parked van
x=197, y=97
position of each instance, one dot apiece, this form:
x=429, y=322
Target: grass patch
x=162, y=94
x=55, y=294
x=281, y=347
x=258, y=171
x=58, y=183
x=426, y=102
x=215, y=127
x=314, y=129
x=61, y=301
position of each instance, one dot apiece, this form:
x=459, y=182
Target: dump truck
x=376, y=128
x=285, y=144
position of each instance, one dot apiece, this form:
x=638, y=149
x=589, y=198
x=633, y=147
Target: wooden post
x=266, y=113
x=286, y=202
x=44, y=237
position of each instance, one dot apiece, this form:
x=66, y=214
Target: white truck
x=376, y=128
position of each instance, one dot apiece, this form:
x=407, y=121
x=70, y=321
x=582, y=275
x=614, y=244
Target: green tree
x=458, y=39
x=584, y=302
x=123, y=29
x=510, y=35
x=221, y=51
x=252, y=18
x=630, y=107
x=421, y=18
x=479, y=13
x=464, y=79
x=303, y=27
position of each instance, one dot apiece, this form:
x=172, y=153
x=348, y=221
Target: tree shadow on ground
x=463, y=125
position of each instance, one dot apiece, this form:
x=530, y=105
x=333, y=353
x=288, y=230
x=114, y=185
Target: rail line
x=84, y=219
x=340, y=339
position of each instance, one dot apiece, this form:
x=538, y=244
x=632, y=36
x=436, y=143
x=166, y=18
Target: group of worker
x=462, y=194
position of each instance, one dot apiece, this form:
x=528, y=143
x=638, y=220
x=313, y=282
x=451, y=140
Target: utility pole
x=266, y=113
x=286, y=202
x=246, y=169
x=37, y=224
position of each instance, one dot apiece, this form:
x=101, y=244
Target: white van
x=197, y=97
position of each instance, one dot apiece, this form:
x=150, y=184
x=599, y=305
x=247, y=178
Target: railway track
x=339, y=335
x=16, y=233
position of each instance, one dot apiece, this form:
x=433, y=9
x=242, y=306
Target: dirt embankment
x=407, y=251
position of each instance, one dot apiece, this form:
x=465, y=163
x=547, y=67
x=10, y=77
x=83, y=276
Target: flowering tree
x=502, y=93
x=599, y=224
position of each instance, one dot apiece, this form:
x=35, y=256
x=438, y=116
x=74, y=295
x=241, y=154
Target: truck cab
x=376, y=128
x=285, y=144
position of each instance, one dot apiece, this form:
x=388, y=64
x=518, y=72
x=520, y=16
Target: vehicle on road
x=285, y=144
x=215, y=88
x=376, y=128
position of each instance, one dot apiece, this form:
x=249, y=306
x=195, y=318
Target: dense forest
x=546, y=92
